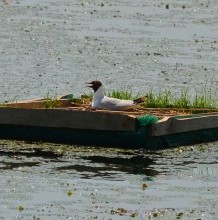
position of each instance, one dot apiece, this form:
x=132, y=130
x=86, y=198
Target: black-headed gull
x=100, y=101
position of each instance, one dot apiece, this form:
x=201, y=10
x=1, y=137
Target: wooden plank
x=32, y=104
x=37, y=104
x=66, y=118
x=172, y=125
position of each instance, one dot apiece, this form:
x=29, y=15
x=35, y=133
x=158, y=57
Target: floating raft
x=79, y=125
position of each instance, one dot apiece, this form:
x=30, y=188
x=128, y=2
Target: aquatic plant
x=70, y=193
x=20, y=208
x=144, y=186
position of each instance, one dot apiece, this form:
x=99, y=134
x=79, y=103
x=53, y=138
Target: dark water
x=69, y=182
x=55, y=47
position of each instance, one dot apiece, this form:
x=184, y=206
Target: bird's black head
x=94, y=85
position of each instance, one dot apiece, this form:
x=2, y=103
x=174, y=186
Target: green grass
x=50, y=102
x=183, y=101
x=87, y=95
x=160, y=100
x=205, y=99
x=166, y=99
x=124, y=95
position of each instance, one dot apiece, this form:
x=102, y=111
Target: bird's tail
x=140, y=100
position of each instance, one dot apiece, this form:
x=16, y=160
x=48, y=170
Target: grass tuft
x=124, y=95
x=87, y=95
x=50, y=102
x=165, y=99
x=183, y=101
x=160, y=100
x=205, y=101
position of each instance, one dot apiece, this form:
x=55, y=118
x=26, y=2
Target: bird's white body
x=100, y=101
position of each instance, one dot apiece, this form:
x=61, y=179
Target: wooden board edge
x=172, y=125
x=66, y=118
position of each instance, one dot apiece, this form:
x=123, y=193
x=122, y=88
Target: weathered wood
x=130, y=113
x=32, y=104
x=172, y=125
x=37, y=104
x=67, y=118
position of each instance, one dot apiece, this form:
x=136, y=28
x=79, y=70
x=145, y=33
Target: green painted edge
x=138, y=139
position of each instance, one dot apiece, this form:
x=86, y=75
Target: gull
x=100, y=101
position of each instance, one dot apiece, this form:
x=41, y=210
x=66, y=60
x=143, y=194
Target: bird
x=101, y=101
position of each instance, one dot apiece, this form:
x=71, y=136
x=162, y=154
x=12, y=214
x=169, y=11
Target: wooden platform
x=81, y=124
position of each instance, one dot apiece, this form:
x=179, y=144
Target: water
x=55, y=47
x=65, y=182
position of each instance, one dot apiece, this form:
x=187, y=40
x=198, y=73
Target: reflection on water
x=108, y=166
x=92, y=165
x=11, y=165
x=32, y=152
x=107, y=181
x=20, y=156
x=206, y=171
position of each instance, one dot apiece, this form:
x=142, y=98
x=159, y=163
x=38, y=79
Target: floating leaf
x=134, y=214
x=144, y=186
x=179, y=215
x=155, y=214
x=122, y=210
x=70, y=193
x=20, y=208
x=119, y=211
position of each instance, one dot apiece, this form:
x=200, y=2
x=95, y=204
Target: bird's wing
x=116, y=104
